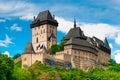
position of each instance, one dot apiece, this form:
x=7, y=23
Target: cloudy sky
x=98, y=18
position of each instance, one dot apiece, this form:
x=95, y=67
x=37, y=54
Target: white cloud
x=2, y=20
x=117, y=56
x=64, y=25
x=21, y=9
x=27, y=17
x=117, y=39
x=99, y=30
x=6, y=42
x=111, y=46
x=15, y=27
x=7, y=53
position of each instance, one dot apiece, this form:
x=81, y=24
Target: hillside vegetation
x=37, y=71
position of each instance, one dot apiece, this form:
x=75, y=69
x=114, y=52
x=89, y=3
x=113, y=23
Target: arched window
x=37, y=40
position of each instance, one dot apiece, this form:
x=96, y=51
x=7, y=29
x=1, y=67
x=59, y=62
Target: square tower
x=44, y=31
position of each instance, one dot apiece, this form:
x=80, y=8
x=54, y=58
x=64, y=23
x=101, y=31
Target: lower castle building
x=79, y=51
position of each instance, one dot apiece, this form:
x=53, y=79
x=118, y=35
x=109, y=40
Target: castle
x=79, y=51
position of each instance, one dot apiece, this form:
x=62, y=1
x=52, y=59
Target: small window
x=24, y=59
x=74, y=51
x=35, y=28
x=67, y=51
x=36, y=33
x=41, y=31
x=36, y=40
x=44, y=31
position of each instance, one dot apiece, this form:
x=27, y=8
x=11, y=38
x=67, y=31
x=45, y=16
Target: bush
x=56, y=48
x=6, y=67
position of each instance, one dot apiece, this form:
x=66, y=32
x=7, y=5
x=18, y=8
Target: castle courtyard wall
x=29, y=59
x=83, y=59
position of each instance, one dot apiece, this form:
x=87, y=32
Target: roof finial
x=34, y=18
x=74, y=23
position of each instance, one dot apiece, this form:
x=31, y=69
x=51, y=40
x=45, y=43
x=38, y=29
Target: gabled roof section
x=106, y=43
x=29, y=49
x=79, y=42
x=44, y=17
x=98, y=41
x=104, y=46
x=75, y=32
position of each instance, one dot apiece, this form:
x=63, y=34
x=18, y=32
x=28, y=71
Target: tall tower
x=44, y=31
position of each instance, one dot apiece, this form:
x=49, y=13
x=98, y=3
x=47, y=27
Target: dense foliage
x=57, y=47
x=42, y=72
x=16, y=56
x=6, y=67
x=37, y=71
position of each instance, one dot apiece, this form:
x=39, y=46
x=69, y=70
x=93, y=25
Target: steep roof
x=45, y=15
x=29, y=48
x=80, y=42
x=43, y=18
x=102, y=45
x=106, y=43
x=75, y=32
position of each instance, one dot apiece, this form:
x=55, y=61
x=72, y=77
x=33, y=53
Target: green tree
x=112, y=62
x=54, y=48
x=6, y=67
x=21, y=74
x=61, y=45
x=115, y=68
x=16, y=56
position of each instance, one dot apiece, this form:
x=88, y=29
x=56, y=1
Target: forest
x=37, y=71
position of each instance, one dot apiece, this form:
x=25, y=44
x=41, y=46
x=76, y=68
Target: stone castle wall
x=29, y=59
x=18, y=59
x=83, y=59
x=78, y=58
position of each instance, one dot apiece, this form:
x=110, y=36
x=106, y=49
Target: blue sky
x=98, y=18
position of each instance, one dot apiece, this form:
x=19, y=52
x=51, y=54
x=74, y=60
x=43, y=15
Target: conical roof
x=29, y=48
